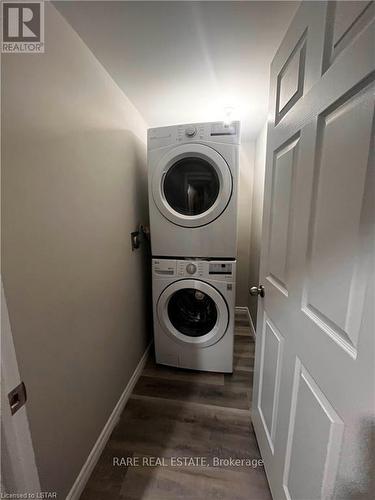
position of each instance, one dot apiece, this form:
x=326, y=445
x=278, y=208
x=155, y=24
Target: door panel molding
x=330, y=449
x=346, y=21
x=271, y=379
x=282, y=200
x=332, y=87
x=335, y=303
x=290, y=80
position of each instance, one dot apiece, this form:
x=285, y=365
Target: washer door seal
x=196, y=313
x=201, y=193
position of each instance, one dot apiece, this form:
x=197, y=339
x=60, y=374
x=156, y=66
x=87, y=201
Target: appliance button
x=191, y=268
x=190, y=131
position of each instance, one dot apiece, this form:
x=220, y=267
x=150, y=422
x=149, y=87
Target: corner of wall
x=256, y=217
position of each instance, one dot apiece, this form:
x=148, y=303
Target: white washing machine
x=193, y=307
x=193, y=177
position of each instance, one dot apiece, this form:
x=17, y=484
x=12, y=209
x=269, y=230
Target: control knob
x=191, y=268
x=190, y=131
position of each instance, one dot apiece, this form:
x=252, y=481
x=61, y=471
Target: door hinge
x=17, y=397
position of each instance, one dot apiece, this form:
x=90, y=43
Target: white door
x=313, y=398
x=19, y=474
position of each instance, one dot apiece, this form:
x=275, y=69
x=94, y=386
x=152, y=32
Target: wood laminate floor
x=181, y=413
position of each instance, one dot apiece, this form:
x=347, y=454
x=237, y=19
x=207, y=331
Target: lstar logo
x=23, y=27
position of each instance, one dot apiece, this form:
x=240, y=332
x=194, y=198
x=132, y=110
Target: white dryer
x=193, y=177
x=193, y=307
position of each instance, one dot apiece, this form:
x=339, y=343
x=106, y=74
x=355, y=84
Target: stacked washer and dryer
x=193, y=176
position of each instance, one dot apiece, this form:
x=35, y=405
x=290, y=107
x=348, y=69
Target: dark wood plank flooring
x=182, y=413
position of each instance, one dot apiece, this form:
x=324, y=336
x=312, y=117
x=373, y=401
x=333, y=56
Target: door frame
x=18, y=461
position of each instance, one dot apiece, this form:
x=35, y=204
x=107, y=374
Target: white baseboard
x=244, y=310
x=98, y=447
x=252, y=327
x=247, y=312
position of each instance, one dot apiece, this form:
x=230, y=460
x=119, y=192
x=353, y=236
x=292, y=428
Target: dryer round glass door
x=193, y=312
x=192, y=185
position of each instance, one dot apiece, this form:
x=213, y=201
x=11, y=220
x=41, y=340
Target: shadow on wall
x=245, y=193
x=76, y=292
x=256, y=218
x=74, y=186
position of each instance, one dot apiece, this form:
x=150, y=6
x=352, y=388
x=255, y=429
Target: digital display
x=220, y=268
x=222, y=129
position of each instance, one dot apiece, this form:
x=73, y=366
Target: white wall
x=247, y=152
x=256, y=217
x=73, y=188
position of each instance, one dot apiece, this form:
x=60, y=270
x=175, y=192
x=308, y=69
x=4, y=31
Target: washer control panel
x=220, y=268
x=217, y=270
x=190, y=268
x=164, y=267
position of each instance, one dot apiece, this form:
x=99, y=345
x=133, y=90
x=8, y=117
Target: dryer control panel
x=218, y=132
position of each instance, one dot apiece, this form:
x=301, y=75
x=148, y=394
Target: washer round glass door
x=192, y=185
x=193, y=312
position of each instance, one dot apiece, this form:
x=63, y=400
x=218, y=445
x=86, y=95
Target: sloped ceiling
x=181, y=62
